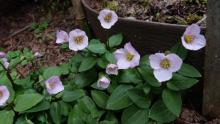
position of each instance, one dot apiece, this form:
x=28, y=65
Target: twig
x=20, y=30
x=202, y=20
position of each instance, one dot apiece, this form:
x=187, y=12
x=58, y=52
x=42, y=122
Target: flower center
x=188, y=38
x=165, y=63
x=52, y=85
x=108, y=17
x=129, y=56
x=1, y=94
x=78, y=39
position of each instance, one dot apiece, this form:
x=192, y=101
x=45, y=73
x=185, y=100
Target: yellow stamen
x=129, y=56
x=52, y=85
x=78, y=39
x=165, y=63
x=108, y=17
x=188, y=38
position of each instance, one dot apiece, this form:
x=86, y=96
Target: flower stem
x=7, y=73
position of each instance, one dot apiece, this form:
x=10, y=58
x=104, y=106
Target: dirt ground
x=44, y=43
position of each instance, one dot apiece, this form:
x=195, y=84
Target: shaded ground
x=44, y=42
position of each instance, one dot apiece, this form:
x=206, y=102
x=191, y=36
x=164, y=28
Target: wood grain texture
x=211, y=96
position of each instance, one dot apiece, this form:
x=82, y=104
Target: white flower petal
x=5, y=95
x=123, y=64
x=73, y=45
x=102, y=14
x=112, y=69
x=175, y=62
x=162, y=75
x=57, y=85
x=103, y=82
x=193, y=29
x=156, y=59
x=62, y=37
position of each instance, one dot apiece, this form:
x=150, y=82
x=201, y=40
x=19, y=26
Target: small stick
x=20, y=30
x=202, y=20
x=7, y=73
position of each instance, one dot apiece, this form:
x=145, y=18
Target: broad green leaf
x=134, y=115
x=189, y=71
x=110, y=116
x=119, y=98
x=148, y=76
x=42, y=106
x=146, y=89
x=96, y=46
x=110, y=57
x=115, y=40
x=76, y=116
x=87, y=104
x=70, y=96
x=64, y=68
x=160, y=113
x=130, y=76
x=144, y=62
x=26, y=101
x=102, y=62
x=179, y=82
x=100, y=98
x=139, y=98
x=173, y=101
x=107, y=122
x=87, y=63
x=85, y=78
x=51, y=71
x=179, y=50
x=6, y=117
x=23, y=120
x=55, y=112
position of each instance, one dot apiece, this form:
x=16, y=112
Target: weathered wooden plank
x=211, y=96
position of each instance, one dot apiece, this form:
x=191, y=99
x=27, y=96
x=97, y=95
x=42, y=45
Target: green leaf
x=130, y=76
x=189, y=71
x=179, y=50
x=85, y=78
x=100, y=98
x=87, y=63
x=115, y=40
x=26, y=101
x=134, y=115
x=179, y=82
x=6, y=117
x=96, y=46
x=110, y=57
x=107, y=122
x=148, y=76
x=76, y=116
x=51, y=71
x=42, y=106
x=23, y=120
x=160, y=113
x=70, y=96
x=55, y=112
x=87, y=104
x=144, y=62
x=173, y=101
x=139, y=98
x=102, y=63
x=119, y=98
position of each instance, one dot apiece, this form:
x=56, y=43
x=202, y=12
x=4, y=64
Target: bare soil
x=167, y=11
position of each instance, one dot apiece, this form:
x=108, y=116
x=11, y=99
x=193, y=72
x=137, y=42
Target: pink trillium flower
x=112, y=69
x=2, y=54
x=62, y=37
x=107, y=18
x=78, y=40
x=4, y=95
x=192, y=39
x=54, y=85
x=165, y=65
x=127, y=57
x=103, y=82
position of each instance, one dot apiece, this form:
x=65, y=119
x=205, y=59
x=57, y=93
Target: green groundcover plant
x=101, y=84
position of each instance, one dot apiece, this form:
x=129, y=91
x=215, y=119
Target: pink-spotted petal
x=162, y=75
